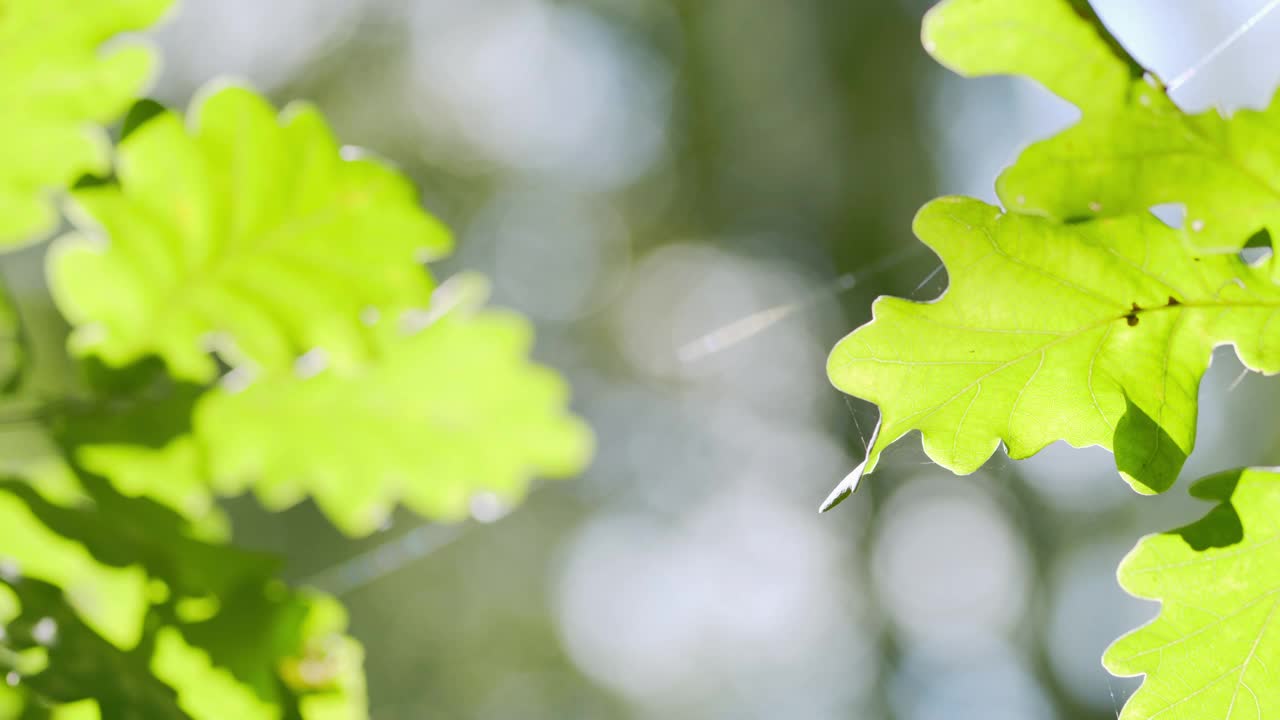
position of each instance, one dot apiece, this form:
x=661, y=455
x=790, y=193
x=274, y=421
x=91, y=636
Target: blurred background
x=694, y=200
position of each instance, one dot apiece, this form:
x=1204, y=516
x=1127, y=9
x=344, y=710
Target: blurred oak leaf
x=60, y=85
x=136, y=615
x=245, y=231
x=449, y=407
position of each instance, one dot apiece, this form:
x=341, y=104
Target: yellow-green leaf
x=59, y=85
x=451, y=407
x=1094, y=333
x=245, y=232
x=1133, y=148
x=1214, y=649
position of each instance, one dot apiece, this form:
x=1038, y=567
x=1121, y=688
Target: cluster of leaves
x=250, y=310
x=1074, y=314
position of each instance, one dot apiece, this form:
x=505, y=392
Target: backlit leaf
x=143, y=617
x=1095, y=333
x=245, y=232
x=1214, y=650
x=450, y=408
x=1133, y=148
x=59, y=85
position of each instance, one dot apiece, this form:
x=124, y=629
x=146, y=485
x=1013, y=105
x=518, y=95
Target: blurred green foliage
x=223, y=342
x=57, y=83
x=252, y=233
x=248, y=306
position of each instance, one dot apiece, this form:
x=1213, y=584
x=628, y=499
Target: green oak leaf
x=312, y=671
x=1214, y=649
x=123, y=532
x=1133, y=148
x=111, y=600
x=247, y=232
x=59, y=86
x=78, y=665
x=451, y=407
x=1094, y=333
x=330, y=666
x=136, y=597
x=126, y=431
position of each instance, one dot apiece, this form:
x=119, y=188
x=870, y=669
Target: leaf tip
x=847, y=487
x=931, y=28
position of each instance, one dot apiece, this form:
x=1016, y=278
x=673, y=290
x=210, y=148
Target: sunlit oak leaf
x=244, y=231
x=229, y=637
x=1214, y=649
x=1133, y=148
x=451, y=407
x=1094, y=333
x=328, y=668
x=136, y=435
x=292, y=646
x=58, y=85
x=76, y=666
x=168, y=475
x=111, y=600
